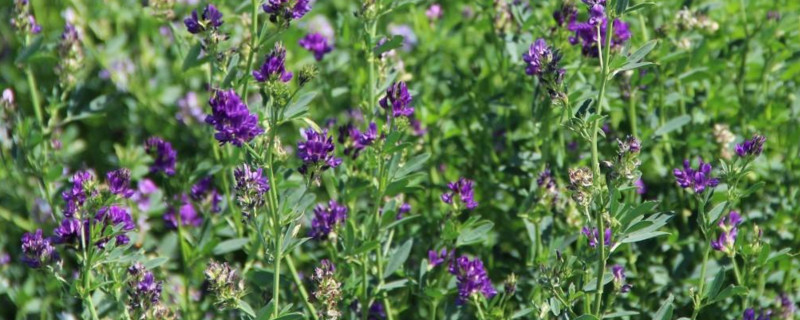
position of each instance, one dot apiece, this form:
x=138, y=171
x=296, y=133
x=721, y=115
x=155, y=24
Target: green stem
x=601, y=262
x=698, y=304
x=478, y=306
x=736, y=270
x=253, y=49
x=37, y=106
x=301, y=288
x=632, y=114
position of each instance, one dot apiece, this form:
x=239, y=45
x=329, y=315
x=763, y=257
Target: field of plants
x=399, y=159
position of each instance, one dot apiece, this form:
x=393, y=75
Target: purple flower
x=317, y=44
x=143, y=289
x=405, y=208
x=231, y=118
x=142, y=194
x=773, y=15
x=641, y=188
x=597, y=14
x=251, y=180
x=376, y=311
x=360, y=140
x=5, y=258
x=463, y=189
x=409, y=37
x=752, y=147
x=211, y=20
x=568, y=11
x=77, y=195
x=188, y=215
x=586, y=35
x=729, y=226
x=316, y=151
x=750, y=314
x=37, y=251
x=119, y=182
x=546, y=180
x=416, y=125
x=69, y=231
x=112, y=216
x=472, y=279
x=435, y=259
x=698, y=180
x=274, y=66
x=787, y=305
x=619, y=278
x=542, y=61
x=164, y=156
x=398, y=98
x=594, y=236
x=326, y=219
x=189, y=110
x=280, y=9
x=434, y=12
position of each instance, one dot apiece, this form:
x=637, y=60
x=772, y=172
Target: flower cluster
x=143, y=289
x=204, y=192
x=274, y=66
x=164, y=156
x=547, y=184
x=210, y=20
x=398, y=99
x=586, y=32
x=70, y=55
x=472, y=278
x=787, y=305
x=186, y=212
x=434, y=12
x=231, y=118
x=698, y=180
x=580, y=183
x=82, y=189
x=404, y=209
x=316, y=152
x=463, y=189
x=284, y=11
x=594, y=236
x=38, y=251
x=23, y=20
x=542, y=61
x=326, y=219
x=627, y=162
x=357, y=140
x=750, y=314
x=109, y=217
x=724, y=137
x=317, y=44
x=189, y=109
x=729, y=227
x=618, y=272
x=328, y=291
x=225, y=283
x=119, y=182
x=752, y=147
x=251, y=185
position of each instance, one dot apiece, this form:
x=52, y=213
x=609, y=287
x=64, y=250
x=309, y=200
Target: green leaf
x=665, y=312
x=155, y=263
x=639, y=6
x=629, y=66
x=230, y=245
x=299, y=107
x=729, y=292
x=411, y=165
x=757, y=186
x=522, y=313
x=586, y=317
x=233, y=70
x=389, y=286
x=642, y=51
x=398, y=258
x=290, y=316
x=192, y=58
x=475, y=234
x=716, y=284
x=30, y=50
x=714, y=214
x=673, y=124
x=622, y=6
x=395, y=42
x=246, y=308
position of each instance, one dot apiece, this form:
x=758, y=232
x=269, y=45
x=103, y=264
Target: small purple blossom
x=251, y=185
x=189, y=109
x=76, y=196
x=619, y=278
x=317, y=44
x=434, y=12
x=698, y=180
x=188, y=214
x=542, y=61
x=435, y=259
x=119, y=182
x=143, y=289
x=360, y=140
x=112, y=216
x=594, y=237
x=316, y=151
x=729, y=226
x=752, y=147
x=472, y=278
x=211, y=20
x=787, y=305
x=326, y=219
x=38, y=251
x=463, y=189
x=281, y=9
x=69, y=231
x=232, y=119
x=641, y=188
x=144, y=189
x=586, y=35
x=164, y=156
x=405, y=209
x=398, y=98
x=750, y=314
x=410, y=39
x=274, y=66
